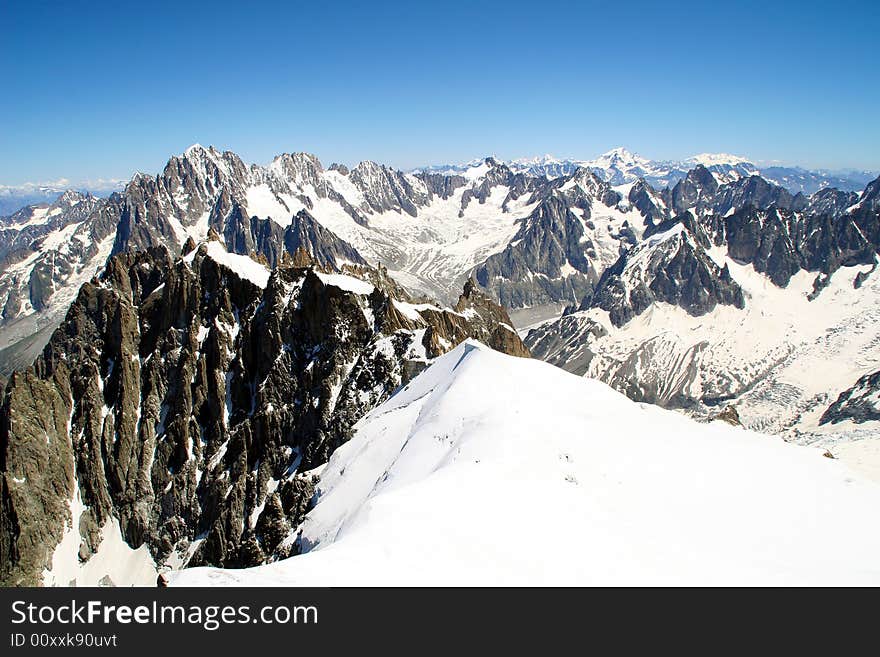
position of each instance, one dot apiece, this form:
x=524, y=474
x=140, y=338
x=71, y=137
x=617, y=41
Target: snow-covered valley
x=781, y=360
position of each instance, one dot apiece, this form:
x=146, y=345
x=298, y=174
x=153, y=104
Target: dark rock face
x=386, y=189
x=492, y=320
x=758, y=223
x=857, y=403
x=729, y=415
x=779, y=242
x=190, y=403
x=755, y=192
x=199, y=191
x=866, y=211
x=442, y=185
x=780, y=234
x=762, y=240
x=268, y=239
x=554, y=256
x=697, y=187
x=670, y=268
x=33, y=500
x=649, y=202
x=831, y=202
x=529, y=270
x=566, y=343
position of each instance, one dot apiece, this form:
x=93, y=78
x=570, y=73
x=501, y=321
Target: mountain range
x=620, y=166
x=15, y=197
x=208, y=337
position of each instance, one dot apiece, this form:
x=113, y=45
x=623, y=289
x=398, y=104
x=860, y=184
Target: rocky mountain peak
x=191, y=396
x=70, y=198
x=617, y=157
x=300, y=168
x=385, y=189
x=870, y=197
x=670, y=266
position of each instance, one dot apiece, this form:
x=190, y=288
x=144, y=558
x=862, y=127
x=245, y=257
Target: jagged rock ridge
x=189, y=398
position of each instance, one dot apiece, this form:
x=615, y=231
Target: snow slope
x=781, y=361
x=115, y=563
x=488, y=469
x=244, y=266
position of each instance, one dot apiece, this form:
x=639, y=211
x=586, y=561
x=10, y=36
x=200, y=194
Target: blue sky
x=101, y=89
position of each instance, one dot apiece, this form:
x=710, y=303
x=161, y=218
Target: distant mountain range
x=619, y=166
x=15, y=197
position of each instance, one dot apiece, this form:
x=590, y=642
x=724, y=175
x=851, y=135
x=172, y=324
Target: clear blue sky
x=101, y=89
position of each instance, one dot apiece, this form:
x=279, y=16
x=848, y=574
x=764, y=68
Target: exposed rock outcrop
x=190, y=398
x=858, y=403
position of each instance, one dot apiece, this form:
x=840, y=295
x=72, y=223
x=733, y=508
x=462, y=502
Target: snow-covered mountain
x=492, y=470
x=47, y=252
x=429, y=230
x=620, y=166
x=532, y=242
x=202, y=348
x=739, y=295
x=545, y=165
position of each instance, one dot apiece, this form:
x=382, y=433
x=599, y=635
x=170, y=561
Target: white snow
x=39, y=216
x=347, y=283
x=199, y=231
x=782, y=360
x=619, y=158
x=244, y=266
x=493, y=470
x=271, y=487
x=263, y=203
x=114, y=559
x=202, y=334
x=413, y=310
x=476, y=172
x=716, y=159
x=60, y=238
x=345, y=187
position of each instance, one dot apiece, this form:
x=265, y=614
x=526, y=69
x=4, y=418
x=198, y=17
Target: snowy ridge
x=244, y=266
x=554, y=479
